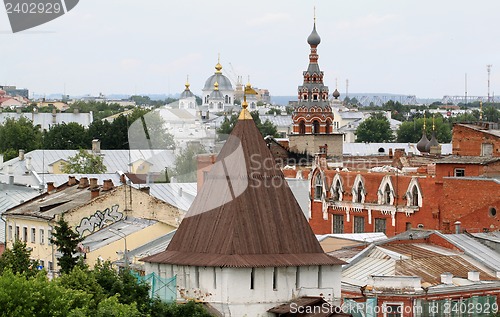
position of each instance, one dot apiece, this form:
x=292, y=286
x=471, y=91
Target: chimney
x=96, y=146
x=457, y=227
x=50, y=186
x=11, y=180
x=473, y=276
x=18, y=110
x=10, y=169
x=84, y=182
x=390, y=153
x=94, y=193
x=54, y=116
x=71, y=180
x=123, y=180
x=28, y=163
x=180, y=191
x=93, y=183
x=145, y=190
x=447, y=278
x=21, y=155
x=107, y=185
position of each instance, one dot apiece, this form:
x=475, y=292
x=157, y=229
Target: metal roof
x=491, y=236
x=280, y=121
x=366, y=237
x=106, y=235
x=365, y=149
x=45, y=120
x=114, y=160
x=474, y=249
x=454, y=159
x=245, y=214
x=179, y=195
x=152, y=247
x=11, y=196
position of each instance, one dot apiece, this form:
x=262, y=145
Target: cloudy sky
x=417, y=47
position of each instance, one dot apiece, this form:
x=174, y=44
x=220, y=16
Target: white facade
x=219, y=82
x=240, y=292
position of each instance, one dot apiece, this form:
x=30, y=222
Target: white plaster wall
x=232, y=294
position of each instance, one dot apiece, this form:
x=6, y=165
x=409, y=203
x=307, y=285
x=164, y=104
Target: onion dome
x=336, y=94
x=313, y=39
x=216, y=94
x=218, y=68
x=433, y=142
x=421, y=145
x=187, y=92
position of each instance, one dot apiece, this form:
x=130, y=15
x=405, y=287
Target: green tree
x=186, y=165
x=274, y=111
x=18, y=260
x=411, y=131
x=147, y=131
x=65, y=136
x=66, y=240
x=266, y=128
x=375, y=129
x=84, y=162
x=19, y=134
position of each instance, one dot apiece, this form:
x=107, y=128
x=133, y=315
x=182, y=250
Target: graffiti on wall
x=99, y=220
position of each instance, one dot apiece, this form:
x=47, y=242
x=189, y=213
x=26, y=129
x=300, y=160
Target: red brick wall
x=447, y=170
x=444, y=202
x=467, y=141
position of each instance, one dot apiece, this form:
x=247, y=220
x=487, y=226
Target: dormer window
x=386, y=194
x=358, y=190
x=318, y=187
x=414, y=194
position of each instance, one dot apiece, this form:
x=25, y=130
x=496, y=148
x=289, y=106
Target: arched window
x=327, y=127
x=315, y=126
x=302, y=127
x=220, y=105
x=226, y=99
x=359, y=193
x=387, y=194
x=318, y=187
x=414, y=196
x=337, y=191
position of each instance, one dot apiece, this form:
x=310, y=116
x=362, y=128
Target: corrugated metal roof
x=106, y=235
x=152, y=247
x=179, y=195
x=491, y=236
x=279, y=121
x=360, y=272
x=366, y=237
x=114, y=160
x=474, y=249
x=245, y=214
x=11, y=196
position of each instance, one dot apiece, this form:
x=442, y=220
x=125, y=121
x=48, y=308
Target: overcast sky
x=416, y=47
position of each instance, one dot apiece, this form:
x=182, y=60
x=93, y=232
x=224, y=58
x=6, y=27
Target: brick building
x=481, y=139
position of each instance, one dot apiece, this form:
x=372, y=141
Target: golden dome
x=218, y=68
x=216, y=86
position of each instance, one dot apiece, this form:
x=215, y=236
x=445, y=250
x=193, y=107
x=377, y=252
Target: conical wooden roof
x=245, y=214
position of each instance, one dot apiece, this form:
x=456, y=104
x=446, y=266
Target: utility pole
x=488, y=69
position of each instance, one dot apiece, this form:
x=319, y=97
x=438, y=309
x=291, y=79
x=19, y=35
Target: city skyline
x=417, y=48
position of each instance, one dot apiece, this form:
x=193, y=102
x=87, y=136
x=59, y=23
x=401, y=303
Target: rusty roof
x=245, y=214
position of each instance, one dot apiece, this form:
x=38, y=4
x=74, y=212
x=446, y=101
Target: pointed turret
x=245, y=215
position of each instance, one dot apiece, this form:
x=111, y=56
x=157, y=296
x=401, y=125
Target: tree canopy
x=411, y=131
x=19, y=134
x=84, y=162
x=66, y=240
x=375, y=129
x=266, y=128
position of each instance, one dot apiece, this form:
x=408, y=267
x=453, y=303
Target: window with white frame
x=25, y=234
x=414, y=196
x=42, y=236
x=318, y=187
x=33, y=235
x=49, y=237
x=386, y=194
x=10, y=232
x=459, y=172
x=337, y=190
x=358, y=190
